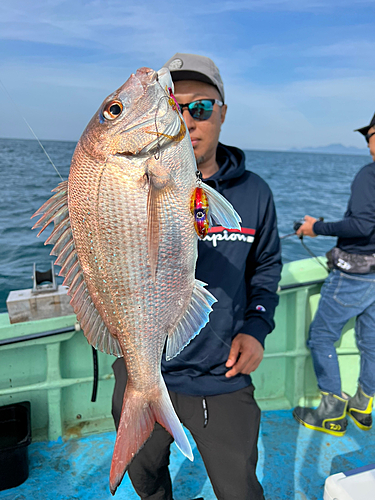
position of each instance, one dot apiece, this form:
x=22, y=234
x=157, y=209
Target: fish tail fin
x=137, y=422
x=166, y=416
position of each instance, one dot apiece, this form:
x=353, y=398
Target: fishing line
x=95, y=355
x=306, y=248
x=287, y=236
x=313, y=255
x=32, y=131
x=296, y=226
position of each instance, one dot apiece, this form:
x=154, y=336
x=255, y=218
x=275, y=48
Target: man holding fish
x=208, y=381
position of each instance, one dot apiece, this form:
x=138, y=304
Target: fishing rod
x=296, y=226
x=30, y=128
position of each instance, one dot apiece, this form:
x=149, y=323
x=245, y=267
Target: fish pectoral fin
x=96, y=332
x=192, y=322
x=137, y=422
x=158, y=198
x=221, y=210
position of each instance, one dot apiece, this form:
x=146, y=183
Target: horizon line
x=293, y=149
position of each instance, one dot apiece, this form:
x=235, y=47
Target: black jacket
x=242, y=271
x=356, y=231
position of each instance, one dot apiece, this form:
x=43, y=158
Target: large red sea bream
x=125, y=233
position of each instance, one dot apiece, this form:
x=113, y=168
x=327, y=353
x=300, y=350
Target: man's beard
x=200, y=160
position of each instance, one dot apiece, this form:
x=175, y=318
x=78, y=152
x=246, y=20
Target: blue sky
x=297, y=73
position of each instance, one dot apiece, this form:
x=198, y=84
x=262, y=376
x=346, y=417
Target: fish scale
x=135, y=269
x=125, y=237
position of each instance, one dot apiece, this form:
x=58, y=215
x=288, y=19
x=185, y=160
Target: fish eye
x=112, y=110
x=200, y=215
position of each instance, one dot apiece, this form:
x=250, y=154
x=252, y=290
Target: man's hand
x=307, y=227
x=245, y=355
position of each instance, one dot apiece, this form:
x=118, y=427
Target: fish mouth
x=126, y=153
x=146, y=76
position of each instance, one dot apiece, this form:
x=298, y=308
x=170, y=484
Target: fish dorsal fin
x=160, y=184
x=56, y=210
x=192, y=322
x=221, y=210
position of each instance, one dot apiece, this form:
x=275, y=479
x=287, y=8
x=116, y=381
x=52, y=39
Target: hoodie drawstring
x=205, y=412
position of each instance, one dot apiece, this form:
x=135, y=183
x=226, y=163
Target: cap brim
x=182, y=74
x=363, y=130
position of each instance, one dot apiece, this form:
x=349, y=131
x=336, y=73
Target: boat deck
x=293, y=464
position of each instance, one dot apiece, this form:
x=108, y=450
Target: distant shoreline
x=333, y=149
x=365, y=153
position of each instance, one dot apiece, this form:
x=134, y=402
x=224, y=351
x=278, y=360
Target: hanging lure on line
x=199, y=208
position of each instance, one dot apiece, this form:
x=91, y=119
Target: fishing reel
x=297, y=224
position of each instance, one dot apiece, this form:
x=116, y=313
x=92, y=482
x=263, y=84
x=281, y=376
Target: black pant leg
x=121, y=376
x=228, y=443
x=148, y=471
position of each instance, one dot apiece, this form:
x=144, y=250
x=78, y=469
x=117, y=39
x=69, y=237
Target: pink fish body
x=125, y=237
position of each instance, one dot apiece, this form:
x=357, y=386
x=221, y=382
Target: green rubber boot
x=360, y=408
x=329, y=417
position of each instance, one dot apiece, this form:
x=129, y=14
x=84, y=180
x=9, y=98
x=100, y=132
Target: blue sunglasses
x=202, y=109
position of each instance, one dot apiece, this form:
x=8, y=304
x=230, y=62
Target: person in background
x=348, y=291
x=209, y=381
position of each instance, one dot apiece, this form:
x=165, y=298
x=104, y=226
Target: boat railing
x=49, y=363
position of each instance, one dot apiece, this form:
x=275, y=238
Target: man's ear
x=224, y=108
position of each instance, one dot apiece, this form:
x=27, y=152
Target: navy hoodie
x=242, y=270
x=356, y=231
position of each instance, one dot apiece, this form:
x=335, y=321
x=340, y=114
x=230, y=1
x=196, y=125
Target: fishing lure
x=199, y=209
x=172, y=100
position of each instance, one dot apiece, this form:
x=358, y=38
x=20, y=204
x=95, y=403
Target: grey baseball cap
x=195, y=67
x=364, y=130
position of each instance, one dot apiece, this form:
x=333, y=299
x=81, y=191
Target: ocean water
x=302, y=183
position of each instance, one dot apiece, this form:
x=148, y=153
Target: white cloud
x=59, y=100
x=320, y=91
x=300, y=114
x=113, y=26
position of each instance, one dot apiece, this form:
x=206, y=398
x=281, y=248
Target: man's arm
x=350, y=227
x=361, y=219
x=263, y=271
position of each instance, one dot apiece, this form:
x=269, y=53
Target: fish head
x=138, y=119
